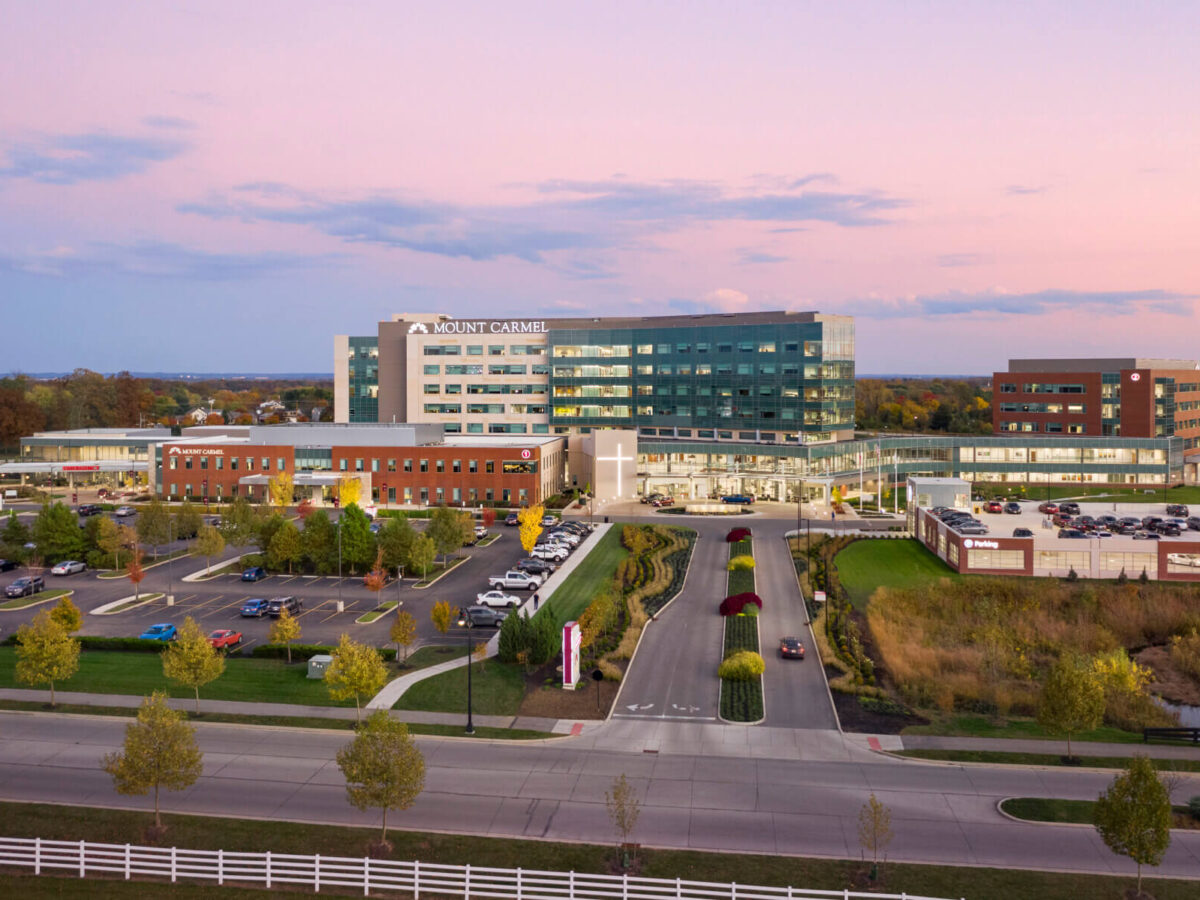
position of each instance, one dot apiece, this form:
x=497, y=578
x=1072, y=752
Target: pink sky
x=971, y=180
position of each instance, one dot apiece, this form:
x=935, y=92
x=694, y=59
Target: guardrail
x=274, y=869
x=1172, y=734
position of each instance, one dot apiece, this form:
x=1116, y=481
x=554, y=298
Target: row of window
x=508, y=467
x=1073, y=409
x=454, y=388
x=496, y=428
x=486, y=409
x=1039, y=388
x=620, y=411
x=422, y=495
x=189, y=462
x=811, y=348
x=1046, y=427
x=477, y=350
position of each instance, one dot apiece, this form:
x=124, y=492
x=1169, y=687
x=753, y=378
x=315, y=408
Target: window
x=456, y=465
x=474, y=349
x=204, y=462
x=745, y=346
x=374, y=465
x=391, y=465
x=454, y=389
x=408, y=465
x=495, y=350
x=424, y=467
x=440, y=465
x=278, y=464
x=433, y=369
x=645, y=349
x=489, y=467
x=358, y=464
x=996, y=559
x=343, y=464
x=1008, y=388
x=766, y=347
x=432, y=388
x=187, y=463
x=472, y=466
x=703, y=347
x=233, y=463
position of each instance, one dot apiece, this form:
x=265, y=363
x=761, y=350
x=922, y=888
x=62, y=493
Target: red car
x=790, y=647
x=995, y=506
x=225, y=638
x=1048, y=507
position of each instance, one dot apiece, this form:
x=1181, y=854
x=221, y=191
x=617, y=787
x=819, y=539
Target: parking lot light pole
x=339, y=526
x=464, y=620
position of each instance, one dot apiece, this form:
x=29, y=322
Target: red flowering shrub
x=737, y=534
x=732, y=605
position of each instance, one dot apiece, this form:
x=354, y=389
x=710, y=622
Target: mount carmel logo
x=418, y=328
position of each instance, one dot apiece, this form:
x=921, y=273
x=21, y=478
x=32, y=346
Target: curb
x=104, y=610
x=458, y=564
x=68, y=593
x=208, y=572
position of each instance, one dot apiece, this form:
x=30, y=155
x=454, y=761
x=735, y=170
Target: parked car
x=276, y=606
x=1125, y=527
x=1022, y=532
x=254, y=573
x=224, y=637
x=164, y=631
x=650, y=498
x=511, y=519
x=1072, y=533
x=662, y=500
x=496, y=600
x=515, y=579
x=1193, y=524
x=124, y=511
x=25, y=586
x=994, y=506
x=535, y=566
x=87, y=509
x=1069, y=507
x=1177, y=509
x=1167, y=529
x=1150, y=521
x=1049, y=507
x=69, y=567
x=7, y=565
x=791, y=648
x=254, y=609
x=549, y=552
x=1142, y=535
x=485, y=616
x=737, y=498
x=548, y=520
x=1012, y=508
x=480, y=532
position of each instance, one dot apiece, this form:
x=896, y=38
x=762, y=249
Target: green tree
x=442, y=614
x=623, y=811
x=383, y=768
x=15, y=536
x=356, y=671
x=240, y=523
x=284, y=630
x=396, y=540
x=358, y=544
x=208, y=543
x=154, y=525
x=56, y=533
x=68, y=615
x=160, y=751
x=46, y=653
x=191, y=660
x=108, y=538
x=403, y=632
x=1072, y=699
x=421, y=554
x=446, y=531
x=268, y=527
x=187, y=521
x=1134, y=815
x=319, y=542
x=285, y=547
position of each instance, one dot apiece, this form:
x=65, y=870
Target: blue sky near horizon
x=224, y=187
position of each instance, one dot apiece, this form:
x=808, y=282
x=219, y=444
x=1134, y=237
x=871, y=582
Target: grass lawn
x=865, y=565
x=982, y=726
x=1186, y=494
x=114, y=672
x=377, y=613
x=496, y=690
x=40, y=597
x=574, y=595
x=1003, y=757
x=1079, y=812
x=210, y=833
x=433, y=654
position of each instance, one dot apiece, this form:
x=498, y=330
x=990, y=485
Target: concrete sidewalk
x=1051, y=748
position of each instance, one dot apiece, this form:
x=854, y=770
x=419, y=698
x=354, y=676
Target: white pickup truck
x=515, y=580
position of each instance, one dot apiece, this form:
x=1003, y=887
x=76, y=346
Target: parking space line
x=223, y=608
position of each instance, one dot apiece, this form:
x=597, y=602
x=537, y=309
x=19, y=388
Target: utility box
x=318, y=664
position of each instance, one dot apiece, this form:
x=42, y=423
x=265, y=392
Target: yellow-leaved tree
x=349, y=490
x=280, y=490
x=531, y=525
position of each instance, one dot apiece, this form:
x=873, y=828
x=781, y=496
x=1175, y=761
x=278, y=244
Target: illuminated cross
x=618, y=459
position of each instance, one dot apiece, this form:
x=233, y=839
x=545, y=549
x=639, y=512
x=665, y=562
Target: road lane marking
x=662, y=716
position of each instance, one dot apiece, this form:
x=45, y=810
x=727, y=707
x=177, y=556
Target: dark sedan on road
x=254, y=573
x=254, y=609
x=7, y=565
x=791, y=648
x=25, y=586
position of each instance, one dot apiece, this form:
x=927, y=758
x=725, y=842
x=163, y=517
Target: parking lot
x=1003, y=524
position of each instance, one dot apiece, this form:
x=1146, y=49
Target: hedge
x=737, y=534
x=306, y=651
x=741, y=563
x=742, y=665
x=733, y=604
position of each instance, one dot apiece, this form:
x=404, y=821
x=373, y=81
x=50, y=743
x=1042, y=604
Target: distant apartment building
x=1127, y=397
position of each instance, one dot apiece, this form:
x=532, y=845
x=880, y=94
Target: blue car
x=255, y=609
x=254, y=573
x=163, y=632
x=737, y=498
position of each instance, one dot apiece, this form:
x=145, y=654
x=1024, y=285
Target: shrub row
x=677, y=561
x=305, y=651
x=736, y=535
x=735, y=604
x=743, y=665
x=741, y=701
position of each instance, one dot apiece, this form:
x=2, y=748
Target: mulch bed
x=545, y=697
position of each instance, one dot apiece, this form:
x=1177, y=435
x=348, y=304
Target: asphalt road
x=711, y=801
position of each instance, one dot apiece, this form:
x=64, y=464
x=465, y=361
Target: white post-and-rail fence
x=277, y=869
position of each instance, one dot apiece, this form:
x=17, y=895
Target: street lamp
x=465, y=623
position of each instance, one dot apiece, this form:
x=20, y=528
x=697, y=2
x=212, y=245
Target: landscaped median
x=742, y=664
x=35, y=599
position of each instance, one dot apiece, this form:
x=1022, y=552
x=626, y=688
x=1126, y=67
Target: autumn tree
x=304, y=510
x=208, y=543
x=68, y=615
x=1072, y=699
x=285, y=547
x=135, y=572
x=421, y=554
x=160, y=751
x=108, y=538
x=383, y=768
x=356, y=671
x=623, y=811
x=487, y=516
x=530, y=519
x=403, y=632
x=191, y=660
x=1133, y=816
x=442, y=615
x=154, y=525
x=279, y=489
x=349, y=490
x=284, y=630
x=46, y=652
x=874, y=829
x=375, y=580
